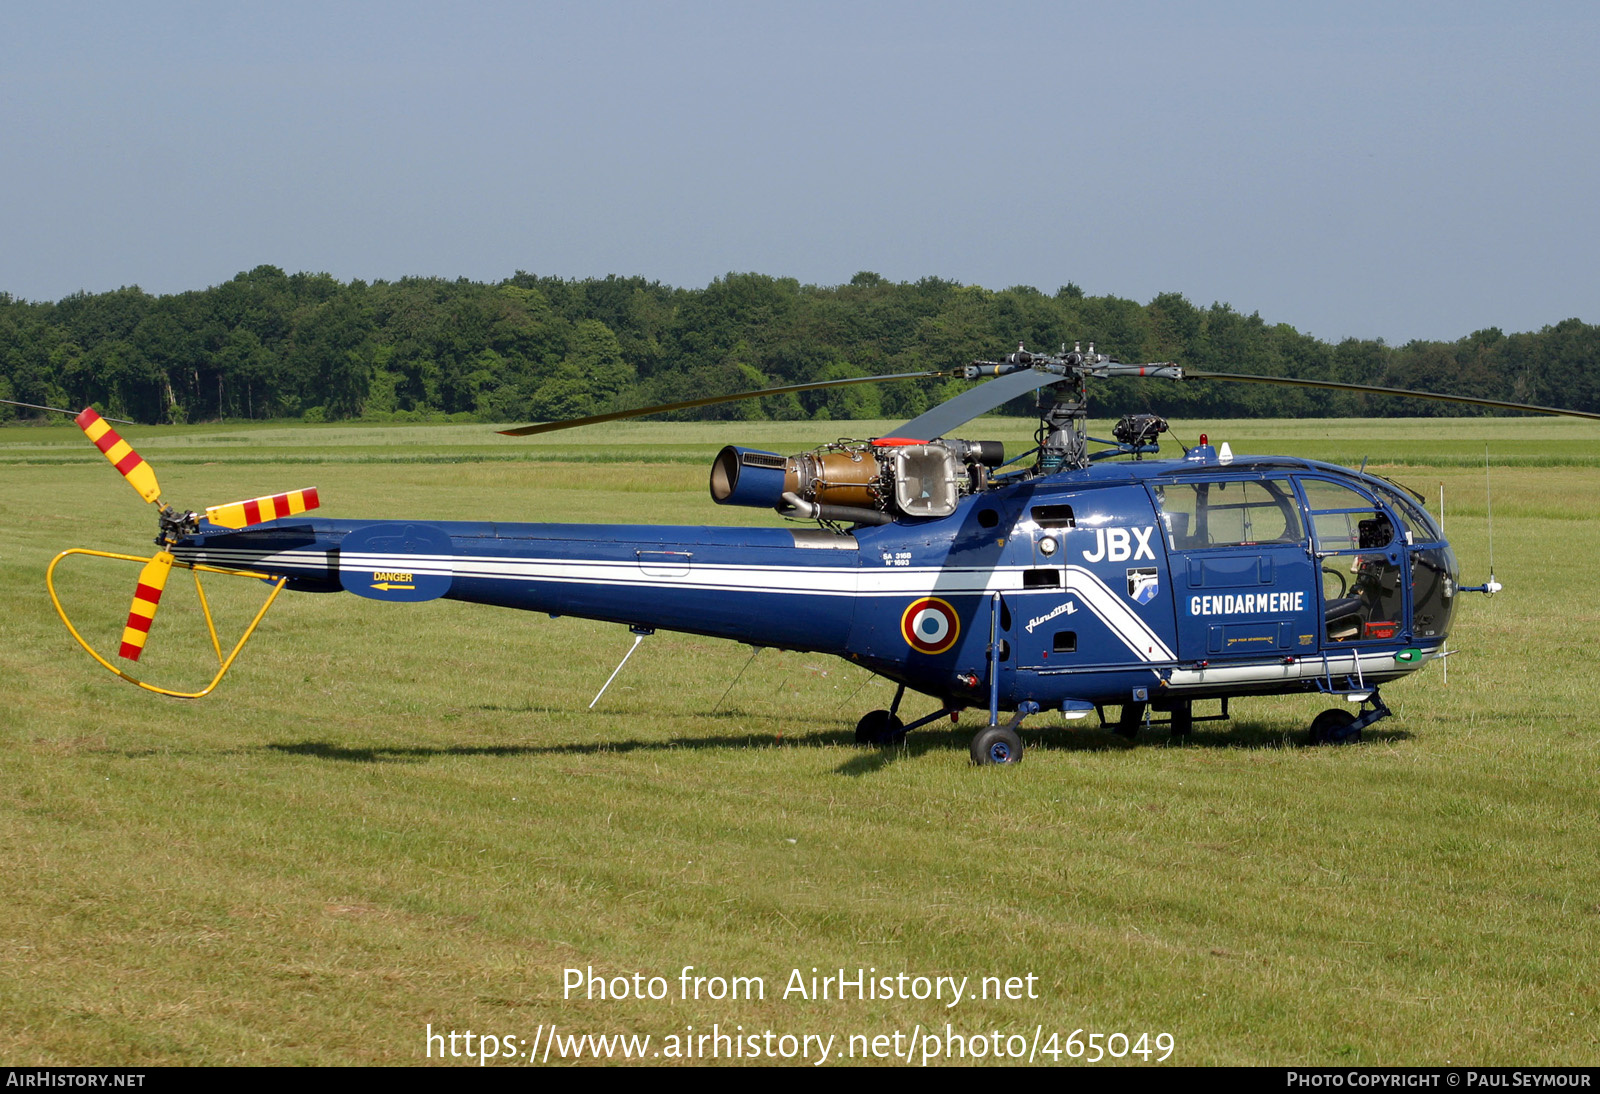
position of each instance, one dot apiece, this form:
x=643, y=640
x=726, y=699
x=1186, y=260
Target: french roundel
x=930, y=625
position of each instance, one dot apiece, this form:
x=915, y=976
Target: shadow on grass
x=326, y=750
x=1243, y=735
x=1249, y=736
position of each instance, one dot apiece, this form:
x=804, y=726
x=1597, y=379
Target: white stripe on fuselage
x=1119, y=618
x=816, y=580
x=800, y=580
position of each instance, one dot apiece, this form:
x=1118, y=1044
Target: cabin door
x=1243, y=572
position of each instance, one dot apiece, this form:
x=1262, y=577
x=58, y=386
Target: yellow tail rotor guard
x=224, y=663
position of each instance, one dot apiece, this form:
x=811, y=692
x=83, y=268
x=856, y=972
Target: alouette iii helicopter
x=1071, y=582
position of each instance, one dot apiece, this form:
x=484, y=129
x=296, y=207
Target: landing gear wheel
x=1333, y=727
x=1182, y=719
x=1132, y=718
x=996, y=745
x=879, y=727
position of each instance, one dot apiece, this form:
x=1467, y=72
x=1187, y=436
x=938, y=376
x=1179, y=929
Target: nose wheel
x=1341, y=727
x=1335, y=727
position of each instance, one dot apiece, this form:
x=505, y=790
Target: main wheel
x=1132, y=718
x=1333, y=727
x=879, y=727
x=996, y=745
x=1182, y=719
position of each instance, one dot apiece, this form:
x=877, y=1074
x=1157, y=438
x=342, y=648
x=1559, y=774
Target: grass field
x=392, y=817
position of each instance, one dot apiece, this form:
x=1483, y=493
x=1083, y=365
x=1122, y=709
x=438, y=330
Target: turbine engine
x=859, y=482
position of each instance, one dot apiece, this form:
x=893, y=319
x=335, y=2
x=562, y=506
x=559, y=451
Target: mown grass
x=392, y=816
x=1423, y=442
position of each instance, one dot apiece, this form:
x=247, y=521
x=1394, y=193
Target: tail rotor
x=175, y=523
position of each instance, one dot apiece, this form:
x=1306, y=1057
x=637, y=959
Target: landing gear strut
x=883, y=727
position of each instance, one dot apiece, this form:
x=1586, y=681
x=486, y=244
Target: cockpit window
x=1228, y=514
x=1322, y=496
x=1422, y=527
x=1343, y=519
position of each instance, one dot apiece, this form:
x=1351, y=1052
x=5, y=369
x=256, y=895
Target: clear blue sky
x=1380, y=170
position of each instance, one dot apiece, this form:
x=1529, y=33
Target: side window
x=1198, y=515
x=1053, y=516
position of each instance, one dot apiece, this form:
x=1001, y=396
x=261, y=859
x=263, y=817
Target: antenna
x=1491, y=586
x=1488, y=499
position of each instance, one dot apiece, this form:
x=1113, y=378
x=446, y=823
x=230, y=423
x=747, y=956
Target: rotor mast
x=1064, y=408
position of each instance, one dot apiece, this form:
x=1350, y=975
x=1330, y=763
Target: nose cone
x=1435, y=580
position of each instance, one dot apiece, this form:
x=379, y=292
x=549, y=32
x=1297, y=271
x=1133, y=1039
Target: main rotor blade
x=688, y=404
x=121, y=454
x=954, y=413
x=146, y=598
x=1196, y=374
x=58, y=410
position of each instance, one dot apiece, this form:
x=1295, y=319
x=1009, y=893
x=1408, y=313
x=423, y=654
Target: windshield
x=1343, y=519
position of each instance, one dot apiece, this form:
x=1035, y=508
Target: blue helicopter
x=1059, y=580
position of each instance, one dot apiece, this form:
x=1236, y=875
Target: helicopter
x=1061, y=579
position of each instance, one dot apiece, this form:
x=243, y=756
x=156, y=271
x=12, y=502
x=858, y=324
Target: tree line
x=271, y=345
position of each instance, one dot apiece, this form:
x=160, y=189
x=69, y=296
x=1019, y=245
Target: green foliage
x=271, y=345
x=849, y=403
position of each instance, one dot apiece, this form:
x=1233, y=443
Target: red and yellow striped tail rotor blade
x=146, y=598
x=242, y=514
x=121, y=454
